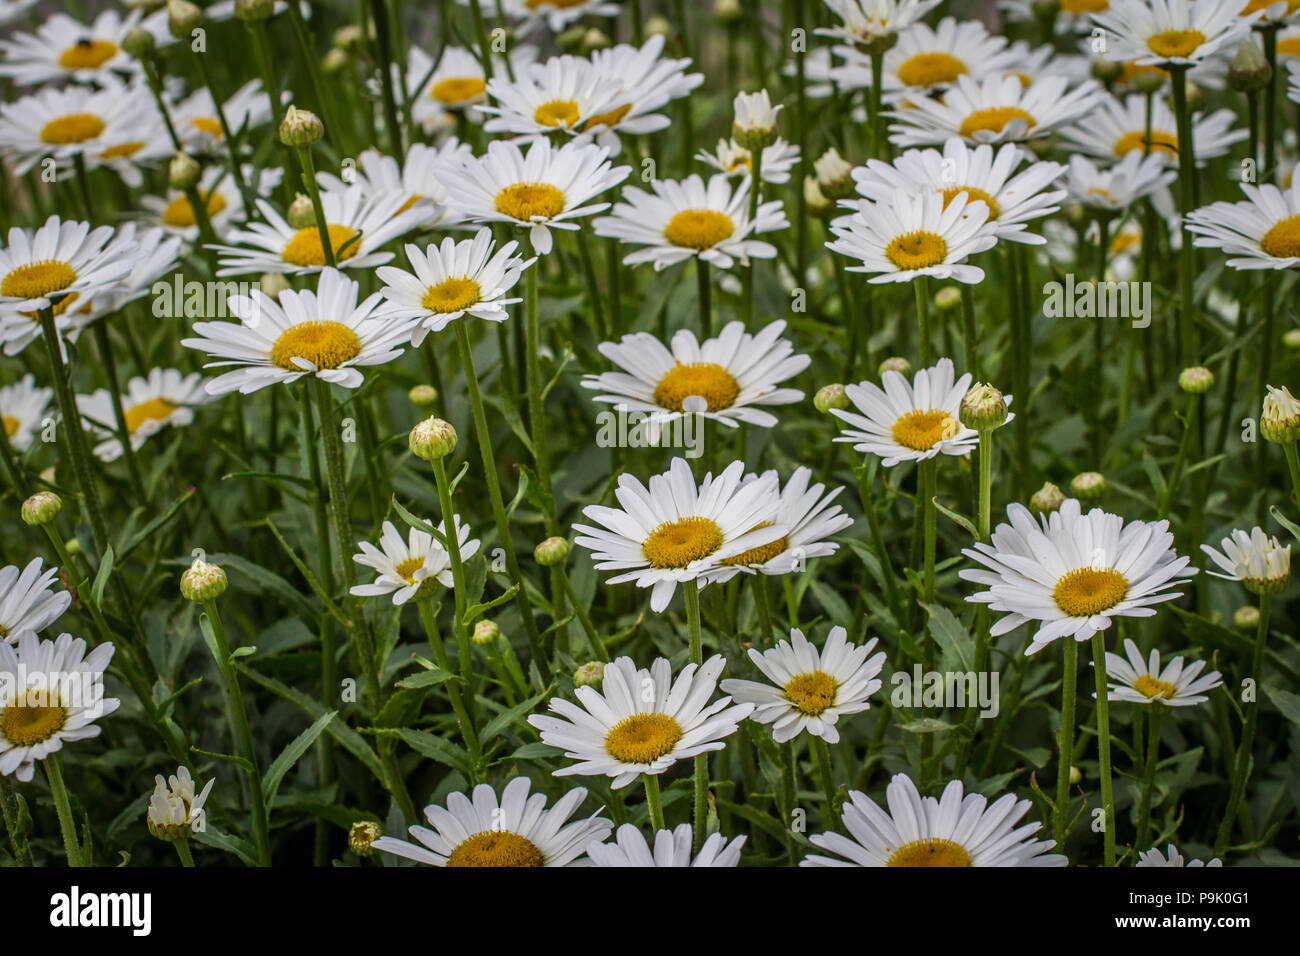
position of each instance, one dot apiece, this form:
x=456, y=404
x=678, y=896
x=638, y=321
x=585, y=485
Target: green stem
x=449, y=530
x=429, y=620
x=755, y=189
x=1103, y=742
x=1241, y=773
x=313, y=192
x=1186, y=174
x=654, y=803
x=922, y=320
x=63, y=807
x=823, y=756
x=1154, y=714
x=536, y=414
x=701, y=777
x=705, y=289
x=1069, y=689
x=183, y=851
x=593, y=636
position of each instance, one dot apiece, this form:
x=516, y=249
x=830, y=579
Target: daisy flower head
x=1261, y=232
x=1141, y=681
x=1279, y=417
x=156, y=252
x=674, y=530
x=914, y=234
x=996, y=109
x=199, y=127
x=929, y=59
x=902, y=421
x=735, y=160
x=954, y=830
x=173, y=212
x=11, y=10
x=646, y=83
x=63, y=49
x=175, y=810
x=164, y=398
x=28, y=602
x=562, y=95
x=812, y=517
x=22, y=410
x=456, y=82
x=470, y=277
x=1259, y=562
x=358, y=227
x=1074, y=573
x=982, y=173
x=873, y=22
x=411, y=568
x=1117, y=127
x=59, y=265
x=515, y=829
x=689, y=219
x=1172, y=32
x=1116, y=188
x=555, y=15
x=810, y=690
x=641, y=720
x=540, y=190
x=324, y=333
x=53, y=692
x=671, y=848
x=1154, y=857
x=721, y=378
x=754, y=118
x=417, y=179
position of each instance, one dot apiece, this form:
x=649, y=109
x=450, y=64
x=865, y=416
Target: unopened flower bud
x=254, y=9
x=202, y=582
x=1249, y=71
x=348, y=38
x=139, y=43
x=834, y=174
x=1076, y=775
x=301, y=212
x=42, y=508
x=814, y=199
x=183, y=171
x=595, y=39
x=1088, y=487
x=727, y=11
x=895, y=363
x=271, y=284
x=1291, y=339
x=947, y=298
x=300, y=127
x=1246, y=618
x=1149, y=81
x=570, y=40
x=658, y=26
x=486, y=632
x=1280, y=419
x=361, y=834
x=1196, y=380
x=830, y=396
x=334, y=61
x=1107, y=71
x=983, y=408
x=422, y=395
x=433, y=438
x=182, y=18
x=1046, y=499
x=589, y=674
x=754, y=123
x=551, y=552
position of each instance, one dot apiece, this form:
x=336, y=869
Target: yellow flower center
x=557, y=113
x=972, y=194
x=1124, y=242
x=677, y=543
x=1077, y=7
x=994, y=119
x=812, y=693
x=609, y=119
x=32, y=720
x=709, y=381
x=406, y=570
x=524, y=201
x=1173, y=43
x=154, y=410
x=452, y=295
x=1153, y=689
x=122, y=150
x=304, y=249
x=643, y=738
x=929, y=69
x=495, y=848
x=209, y=125
x=1137, y=139
x=323, y=344
x=458, y=89
x=761, y=554
x=10, y=425
x=73, y=128
x=1257, y=5
x=1282, y=241
x=1088, y=591
x=916, y=250
x=87, y=54
x=921, y=431
x=35, y=279
x=1288, y=46
x=180, y=214
x=698, y=228
x=933, y=851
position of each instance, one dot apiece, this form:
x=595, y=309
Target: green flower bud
x=183, y=172
x=301, y=212
x=897, y=364
x=432, y=438
x=658, y=26
x=814, y=199
x=300, y=127
x=983, y=408
x=1107, y=71
x=1046, y=499
x=1280, y=419
x=203, y=582
x=182, y=18
x=1246, y=618
x=1149, y=81
x=595, y=39
x=1088, y=487
x=570, y=40
x=349, y=38
x=1249, y=71
x=947, y=298
x=486, y=632
x=423, y=395
x=1196, y=380
x=830, y=396
x=271, y=284
x=551, y=552
x=254, y=9
x=41, y=508
x=335, y=61
x=589, y=674
x=361, y=834
x=139, y=43
x=1291, y=339
x=1076, y=775
x=727, y=12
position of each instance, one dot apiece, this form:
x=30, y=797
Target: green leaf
x=1287, y=702
x=291, y=754
x=228, y=758
x=478, y=610
x=101, y=576
x=435, y=748
x=506, y=718
x=1284, y=522
x=947, y=632
x=426, y=678
x=957, y=517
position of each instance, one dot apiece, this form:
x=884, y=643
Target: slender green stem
x=1069, y=689
x=763, y=601
x=1184, y=443
x=1155, y=712
x=313, y=192
x=303, y=37
x=969, y=331
x=593, y=636
x=922, y=320
x=982, y=635
x=705, y=290
x=429, y=620
x=1186, y=175
x=450, y=532
x=1293, y=466
x=536, y=412
x=690, y=592
x=653, y=802
x=1103, y=742
x=63, y=807
x=1245, y=755
x=183, y=851
x=119, y=413
x=384, y=48
x=823, y=756
x=755, y=191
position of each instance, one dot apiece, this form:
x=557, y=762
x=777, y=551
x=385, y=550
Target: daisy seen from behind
x=411, y=568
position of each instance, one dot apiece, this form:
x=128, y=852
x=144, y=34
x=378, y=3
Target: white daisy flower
x=323, y=333
x=1074, y=573
x=810, y=690
x=174, y=213
x=1288, y=49
x=358, y=226
x=1158, y=32
x=645, y=84
x=1271, y=11
x=981, y=173
x=197, y=124
x=754, y=114
x=411, y=569
x=686, y=219
x=1262, y=232
x=722, y=379
x=174, y=808
x=929, y=59
x=27, y=600
x=673, y=531
x=1154, y=857
x=671, y=848
x=62, y=262
x=418, y=179
x=477, y=830
x=641, y=721
x=453, y=280
x=156, y=252
x=561, y=95
x=1141, y=681
x=456, y=81
x=64, y=49
x=735, y=160
x=909, y=421
x=1116, y=188
x=543, y=189
x=22, y=410
x=165, y=397
x=53, y=694
x=556, y=15
x=11, y=10
x=870, y=21
x=954, y=830
x=914, y=234
x=812, y=518
x=997, y=109
x=1115, y=128
x=1259, y=562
